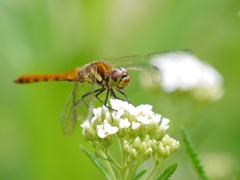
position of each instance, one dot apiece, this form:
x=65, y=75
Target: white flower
x=106, y=129
x=93, y=119
x=97, y=112
x=118, y=104
x=145, y=109
x=117, y=115
x=108, y=115
x=164, y=123
x=122, y=105
x=183, y=71
x=124, y=123
x=85, y=124
x=135, y=125
x=156, y=118
x=144, y=119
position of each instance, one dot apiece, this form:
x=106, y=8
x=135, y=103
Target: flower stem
x=108, y=165
x=123, y=160
x=134, y=169
x=152, y=171
x=113, y=161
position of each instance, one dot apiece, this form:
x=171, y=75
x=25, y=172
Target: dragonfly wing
x=77, y=108
x=144, y=65
x=69, y=115
x=140, y=61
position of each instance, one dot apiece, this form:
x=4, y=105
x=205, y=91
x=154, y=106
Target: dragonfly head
x=119, y=78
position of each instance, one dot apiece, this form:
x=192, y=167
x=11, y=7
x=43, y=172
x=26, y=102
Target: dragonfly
x=110, y=75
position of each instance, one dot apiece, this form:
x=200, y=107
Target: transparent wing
x=141, y=62
x=69, y=115
x=144, y=67
x=76, y=108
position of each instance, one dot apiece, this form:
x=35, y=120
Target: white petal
x=164, y=123
x=102, y=133
x=110, y=129
x=145, y=109
x=99, y=126
x=107, y=115
x=144, y=119
x=93, y=119
x=135, y=125
x=124, y=123
x=97, y=112
x=113, y=130
x=85, y=124
x=156, y=118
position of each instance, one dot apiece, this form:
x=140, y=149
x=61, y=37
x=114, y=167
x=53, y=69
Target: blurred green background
x=56, y=36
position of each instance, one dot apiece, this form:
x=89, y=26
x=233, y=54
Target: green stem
x=134, y=169
x=113, y=161
x=157, y=162
x=108, y=165
x=123, y=160
x=152, y=171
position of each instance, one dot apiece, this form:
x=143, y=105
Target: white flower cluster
x=141, y=131
x=180, y=70
x=126, y=116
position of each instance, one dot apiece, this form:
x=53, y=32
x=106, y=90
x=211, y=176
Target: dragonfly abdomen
x=68, y=76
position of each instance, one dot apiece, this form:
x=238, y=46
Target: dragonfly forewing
x=78, y=108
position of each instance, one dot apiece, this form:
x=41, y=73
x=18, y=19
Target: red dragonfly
x=88, y=77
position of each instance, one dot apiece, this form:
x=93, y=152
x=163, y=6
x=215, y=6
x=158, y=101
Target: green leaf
x=139, y=175
x=193, y=155
x=95, y=161
x=166, y=174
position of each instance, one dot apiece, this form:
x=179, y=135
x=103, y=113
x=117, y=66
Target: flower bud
x=143, y=147
x=147, y=154
x=107, y=141
x=133, y=154
x=137, y=143
x=149, y=144
x=126, y=150
x=142, y=130
x=159, y=134
x=90, y=134
x=167, y=151
x=122, y=132
x=147, y=138
x=160, y=150
x=125, y=142
x=154, y=144
x=174, y=146
x=152, y=128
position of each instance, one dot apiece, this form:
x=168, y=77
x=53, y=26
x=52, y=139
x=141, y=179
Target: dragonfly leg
x=96, y=95
x=114, y=95
x=106, y=99
x=85, y=95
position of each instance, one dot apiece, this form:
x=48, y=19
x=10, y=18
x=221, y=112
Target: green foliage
x=56, y=36
x=166, y=174
x=193, y=155
x=96, y=162
x=139, y=175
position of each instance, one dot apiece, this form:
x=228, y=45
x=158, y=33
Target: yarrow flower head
x=182, y=71
x=140, y=131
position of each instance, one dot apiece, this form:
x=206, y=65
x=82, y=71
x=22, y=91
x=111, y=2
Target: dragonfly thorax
x=119, y=78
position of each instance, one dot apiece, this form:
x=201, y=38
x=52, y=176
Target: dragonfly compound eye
x=120, y=77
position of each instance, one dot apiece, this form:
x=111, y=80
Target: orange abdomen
x=68, y=76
